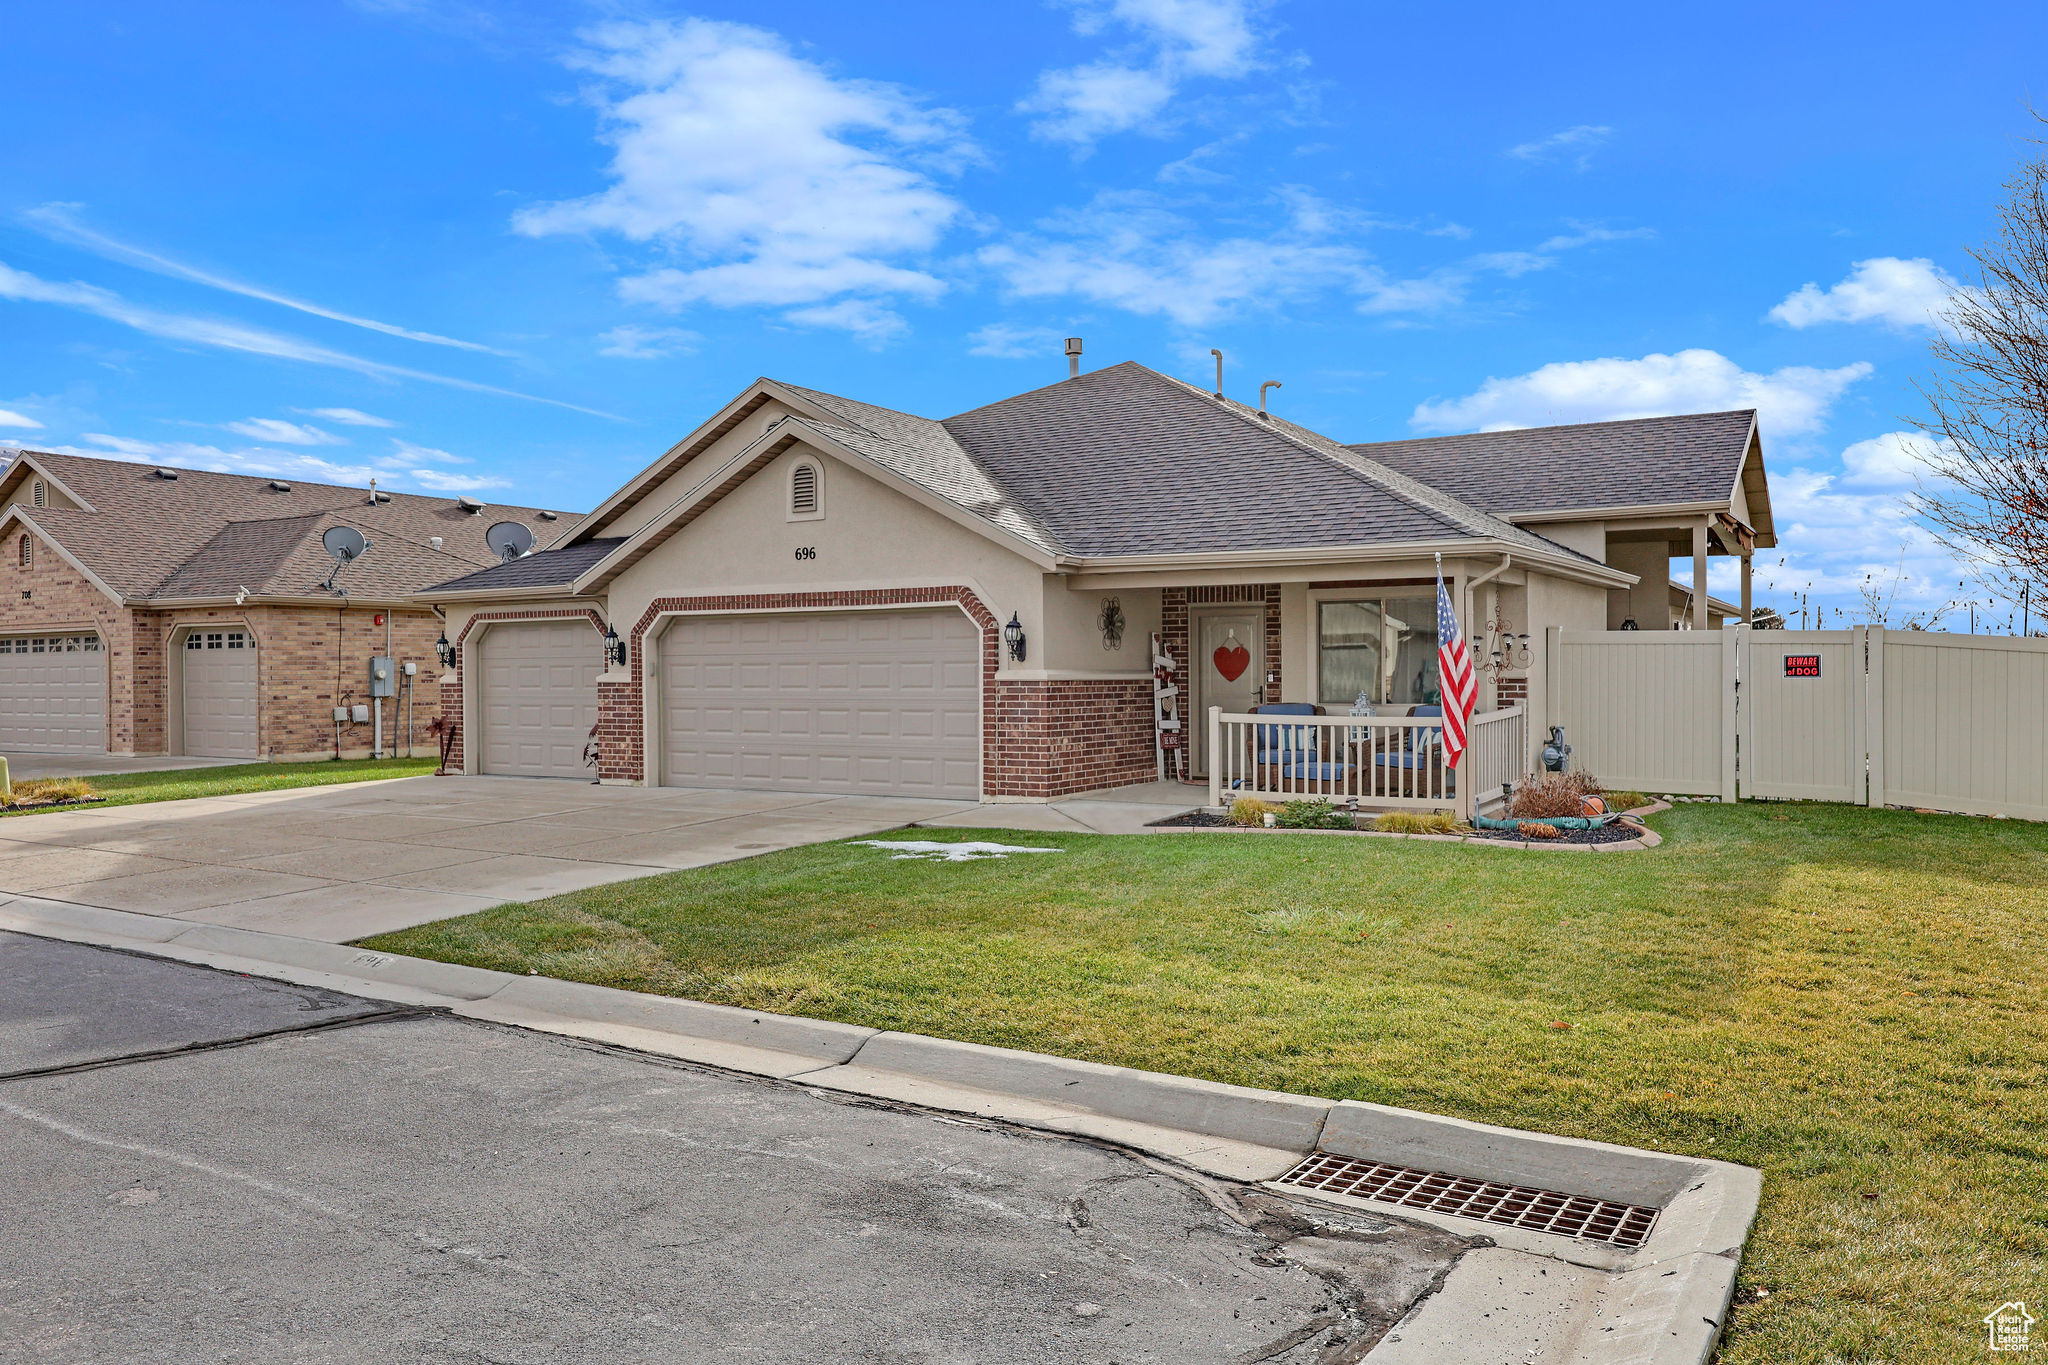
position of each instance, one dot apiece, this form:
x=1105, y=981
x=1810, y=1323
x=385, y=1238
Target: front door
x=1229, y=669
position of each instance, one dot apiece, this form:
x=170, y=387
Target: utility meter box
x=383, y=678
x=359, y=714
x=341, y=715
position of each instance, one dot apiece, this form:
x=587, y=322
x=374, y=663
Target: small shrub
x=1536, y=829
x=1626, y=800
x=34, y=791
x=1416, y=822
x=1249, y=810
x=1311, y=815
x=1553, y=794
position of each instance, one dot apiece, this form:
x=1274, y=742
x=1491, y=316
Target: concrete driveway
x=342, y=862
x=204, y=1166
x=23, y=766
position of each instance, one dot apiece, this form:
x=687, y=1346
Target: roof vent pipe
x=1269, y=384
x=1219, y=370
x=1073, y=357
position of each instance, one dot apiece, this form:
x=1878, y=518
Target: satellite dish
x=509, y=540
x=347, y=545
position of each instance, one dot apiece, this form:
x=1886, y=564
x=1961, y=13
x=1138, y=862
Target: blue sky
x=520, y=249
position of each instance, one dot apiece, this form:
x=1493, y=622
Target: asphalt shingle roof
x=207, y=534
x=1646, y=461
x=541, y=569
x=1124, y=461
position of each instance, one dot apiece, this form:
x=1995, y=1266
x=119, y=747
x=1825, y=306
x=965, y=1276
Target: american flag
x=1455, y=679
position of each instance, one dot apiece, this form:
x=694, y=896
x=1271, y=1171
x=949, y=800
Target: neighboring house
x=160, y=611
x=813, y=593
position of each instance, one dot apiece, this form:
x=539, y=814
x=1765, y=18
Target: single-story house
x=178, y=611
x=810, y=592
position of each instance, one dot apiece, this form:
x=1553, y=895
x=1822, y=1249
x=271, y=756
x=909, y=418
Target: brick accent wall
x=1508, y=691
x=1173, y=633
x=1058, y=736
x=622, y=742
x=452, y=692
x=310, y=660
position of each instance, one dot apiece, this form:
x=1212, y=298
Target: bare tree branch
x=1988, y=400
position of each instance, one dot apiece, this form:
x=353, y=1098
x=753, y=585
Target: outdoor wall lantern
x=1013, y=636
x=614, y=648
x=444, y=651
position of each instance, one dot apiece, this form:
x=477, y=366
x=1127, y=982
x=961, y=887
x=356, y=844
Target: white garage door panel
x=540, y=697
x=884, y=703
x=53, y=694
x=220, y=694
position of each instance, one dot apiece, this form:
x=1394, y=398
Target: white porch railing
x=1391, y=762
x=1494, y=752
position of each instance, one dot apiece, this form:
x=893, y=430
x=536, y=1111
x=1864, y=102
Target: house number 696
x=806, y=552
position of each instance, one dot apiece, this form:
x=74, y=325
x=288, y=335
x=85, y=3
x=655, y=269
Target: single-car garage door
x=875, y=702
x=540, y=697
x=220, y=694
x=53, y=694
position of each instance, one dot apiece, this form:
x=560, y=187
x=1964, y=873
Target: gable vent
x=39, y=495
x=803, y=490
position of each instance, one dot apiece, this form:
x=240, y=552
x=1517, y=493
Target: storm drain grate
x=1567, y=1215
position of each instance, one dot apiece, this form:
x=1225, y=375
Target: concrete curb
x=1661, y=1303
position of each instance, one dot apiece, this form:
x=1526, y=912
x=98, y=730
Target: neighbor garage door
x=879, y=702
x=540, y=697
x=220, y=694
x=53, y=694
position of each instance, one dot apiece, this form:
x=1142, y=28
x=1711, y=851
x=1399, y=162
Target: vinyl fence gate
x=1865, y=715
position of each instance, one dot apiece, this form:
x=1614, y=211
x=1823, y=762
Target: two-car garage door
x=53, y=694
x=883, y=703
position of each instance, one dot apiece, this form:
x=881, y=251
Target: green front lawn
x=1851, y=1000
x=129, y=789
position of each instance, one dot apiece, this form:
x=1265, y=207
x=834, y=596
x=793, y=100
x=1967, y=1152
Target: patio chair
x=1421, y=755
x=1290, y=756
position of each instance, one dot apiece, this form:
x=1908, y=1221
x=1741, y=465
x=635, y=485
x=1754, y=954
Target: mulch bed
x=51, y=805
x=1616, y=833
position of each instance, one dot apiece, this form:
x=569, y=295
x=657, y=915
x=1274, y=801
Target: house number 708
x=806, y=552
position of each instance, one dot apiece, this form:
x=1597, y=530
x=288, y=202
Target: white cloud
x=868, y=321
x=1134, y=252
x=23, y=287
x=1139, y=252
x=779, y=184
x=629, y=342
x=287, y=433
x=9, y=418
x=409, y=453
x=1790, y=401
x=1175, y=40
x=394, y=471
x=1893, y=460
x=1575, y=144
x=438, y=481
x=348, y=417
x=57, y=221
x=1885, y=289
x=1002, y=341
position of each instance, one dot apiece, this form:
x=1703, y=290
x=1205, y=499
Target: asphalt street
x=196, y=1165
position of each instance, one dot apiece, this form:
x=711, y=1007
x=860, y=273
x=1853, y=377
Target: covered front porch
x=1326, y=687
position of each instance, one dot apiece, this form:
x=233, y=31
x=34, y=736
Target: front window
x=1381, y=647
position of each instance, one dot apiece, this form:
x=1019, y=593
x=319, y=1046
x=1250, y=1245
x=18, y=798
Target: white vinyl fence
x=1867, y=716
x=1647, y=710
